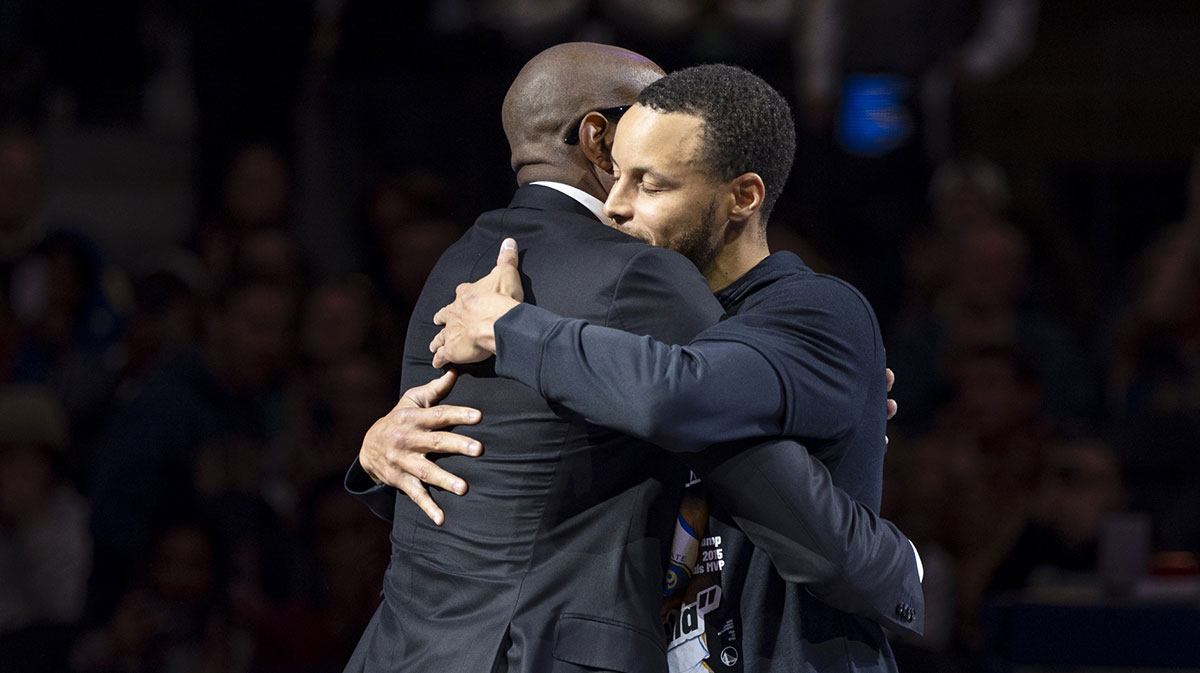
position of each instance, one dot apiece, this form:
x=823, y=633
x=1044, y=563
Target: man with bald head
x=553, y=560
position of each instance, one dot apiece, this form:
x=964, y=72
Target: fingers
x=409, y=427
x=413, y=484
x=430, y=393
x=440, y=358
x=449, y=442
x=417, y=492
x=439, y=340
x=429, y=473
x=441, y=387
x=508, y=253
x=892, y=408
x=508, y=276
x=890, y=377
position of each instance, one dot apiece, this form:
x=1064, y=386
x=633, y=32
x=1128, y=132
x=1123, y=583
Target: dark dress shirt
x=798, y=355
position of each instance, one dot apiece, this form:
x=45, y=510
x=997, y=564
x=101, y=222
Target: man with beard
x=699, y=162
x=552, y=561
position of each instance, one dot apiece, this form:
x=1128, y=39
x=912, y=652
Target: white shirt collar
x=590, y=202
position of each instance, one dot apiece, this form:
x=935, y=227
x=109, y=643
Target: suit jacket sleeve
x=814, y=532
x=791, y=370
x=651, y=279
x=727, y=390
x=782, y=497
x=379, y=498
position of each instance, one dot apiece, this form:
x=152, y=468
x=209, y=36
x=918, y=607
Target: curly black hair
x=748, y=125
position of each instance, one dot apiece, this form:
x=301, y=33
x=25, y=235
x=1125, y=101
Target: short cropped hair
x=748, y=125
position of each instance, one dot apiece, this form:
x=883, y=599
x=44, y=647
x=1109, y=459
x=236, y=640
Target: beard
x=640, y=234
x=702, y=242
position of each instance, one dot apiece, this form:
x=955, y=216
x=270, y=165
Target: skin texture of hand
x=467, y=335
x=394, y=450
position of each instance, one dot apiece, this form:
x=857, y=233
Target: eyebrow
x=659, y=177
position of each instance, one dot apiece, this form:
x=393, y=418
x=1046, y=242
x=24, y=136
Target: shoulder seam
x=614, y=312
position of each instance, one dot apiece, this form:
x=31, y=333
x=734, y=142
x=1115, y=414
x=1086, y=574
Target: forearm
x=814, y=532
x=682, y=398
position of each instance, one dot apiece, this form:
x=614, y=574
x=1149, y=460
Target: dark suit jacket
x=797, y=355
x=552, y=561
x=812, y=531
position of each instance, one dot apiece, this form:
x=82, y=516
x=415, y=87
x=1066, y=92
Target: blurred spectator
x=983, y=455
x=200, y=422
x=963, y=194
x=336, y=321
x=70, y=308
x=257, y=197
x=875, y=78
x=352, y=551
x=44, y=541
x=928, y=44
x=1079, y=487
x=339, y=403
x=22, y=187
x=1157, y=368
x=22, y=183
x=166, y=315
x=982, y=304
x=1154, y=380
x=144, y=466
x=247, y=64
x=272, y=255
x=387, y=96
x=258, y=189
x=920, y=478
x=392, y=203
x=344, y=380
x=408, y=225
x=176, y=619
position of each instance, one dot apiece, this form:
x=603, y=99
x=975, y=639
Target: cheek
x=661, y=216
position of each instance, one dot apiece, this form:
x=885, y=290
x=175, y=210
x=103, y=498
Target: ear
x=748, y=193
x=595, y=139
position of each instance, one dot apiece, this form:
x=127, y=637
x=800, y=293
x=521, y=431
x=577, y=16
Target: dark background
x=215, y=215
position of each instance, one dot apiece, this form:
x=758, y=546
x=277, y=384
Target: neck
x=574, y=176
x=744, y=252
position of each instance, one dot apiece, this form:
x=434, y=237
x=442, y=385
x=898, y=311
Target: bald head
x=554, y=90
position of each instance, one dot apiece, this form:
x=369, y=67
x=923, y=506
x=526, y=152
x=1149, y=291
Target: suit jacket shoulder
x=559, y=542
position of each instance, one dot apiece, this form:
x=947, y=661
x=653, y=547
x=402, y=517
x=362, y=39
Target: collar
x=587, y=200
x=773, y=267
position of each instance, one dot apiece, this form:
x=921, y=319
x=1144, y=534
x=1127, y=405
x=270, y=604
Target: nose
x=618, y=206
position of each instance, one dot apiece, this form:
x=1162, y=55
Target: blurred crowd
x=173, y=428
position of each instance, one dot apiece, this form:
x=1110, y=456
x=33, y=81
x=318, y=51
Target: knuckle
x=424, y=472
x=405, y=417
